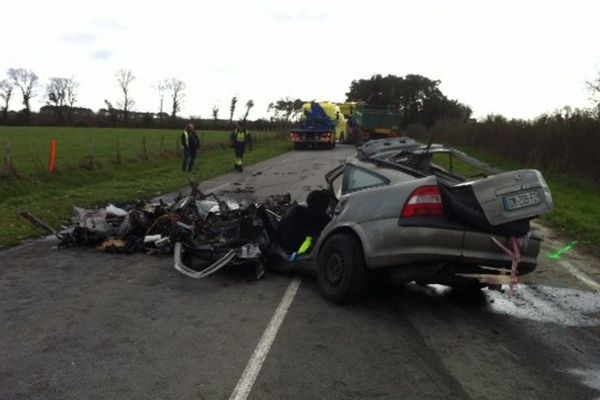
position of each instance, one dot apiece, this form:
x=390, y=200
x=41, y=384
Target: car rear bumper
x=405, y=245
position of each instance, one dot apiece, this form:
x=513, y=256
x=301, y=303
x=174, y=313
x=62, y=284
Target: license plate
x=521, y=200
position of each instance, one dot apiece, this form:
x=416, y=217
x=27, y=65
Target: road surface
x=77, y=324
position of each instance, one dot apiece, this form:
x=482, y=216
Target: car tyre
x=341, y=269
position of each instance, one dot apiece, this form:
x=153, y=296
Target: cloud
x=110, y=24
x=301, y=16
x=101, y=55
x=78, y=38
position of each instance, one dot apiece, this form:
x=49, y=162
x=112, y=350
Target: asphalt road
x=77, y=324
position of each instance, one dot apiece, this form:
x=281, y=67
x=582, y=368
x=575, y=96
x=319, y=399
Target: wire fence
x=29, y=151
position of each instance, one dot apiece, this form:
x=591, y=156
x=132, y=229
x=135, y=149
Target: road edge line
x=583, y=277
x=246, y=382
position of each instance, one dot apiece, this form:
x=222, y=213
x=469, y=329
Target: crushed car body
x=403, y=212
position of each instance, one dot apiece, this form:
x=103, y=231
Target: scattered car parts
x=204, y=232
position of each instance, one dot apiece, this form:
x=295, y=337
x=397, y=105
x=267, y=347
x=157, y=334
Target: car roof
x=376, y=146
x=414, y=159
x=389, y=171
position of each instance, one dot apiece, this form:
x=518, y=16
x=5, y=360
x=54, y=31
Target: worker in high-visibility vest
x=240, y=137
x=190, y=143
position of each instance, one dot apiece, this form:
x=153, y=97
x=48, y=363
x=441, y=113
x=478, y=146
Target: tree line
x=565, y=142
x=418, y=99
x=60, y=95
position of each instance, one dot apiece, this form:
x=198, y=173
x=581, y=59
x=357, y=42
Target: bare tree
x=249, y=105
x=6, y=90
x=56, y=91
x=124, y=79
x=176, y=88
x=232, y=108
x=215, y=112
x=26, y=81
x=286, y=108
x=62, y=94
x=71, y=92
x=594, y=89
x=161, y=87
x=112, y=112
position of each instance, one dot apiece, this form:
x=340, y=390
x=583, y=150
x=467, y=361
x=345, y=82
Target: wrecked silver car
x=418, y=215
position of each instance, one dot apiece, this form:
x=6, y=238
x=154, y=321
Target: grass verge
x=77, y=147
x=52, y=197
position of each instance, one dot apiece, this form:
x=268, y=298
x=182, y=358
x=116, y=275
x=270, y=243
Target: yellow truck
x=337, y=117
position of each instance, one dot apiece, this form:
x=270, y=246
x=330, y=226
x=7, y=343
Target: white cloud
x=101, y=55
x=78, y=38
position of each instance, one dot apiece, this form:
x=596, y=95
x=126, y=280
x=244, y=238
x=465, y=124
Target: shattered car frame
x=204, y=232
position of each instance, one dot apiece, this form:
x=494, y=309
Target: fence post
x=7, y=160
x=53, y=151
x=144, y=149
x=119, y=158
x=92, y=153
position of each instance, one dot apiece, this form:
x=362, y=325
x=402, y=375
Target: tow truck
x=316, y=129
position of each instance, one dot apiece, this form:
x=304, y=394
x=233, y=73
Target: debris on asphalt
x=204, y=232
x=558, y=254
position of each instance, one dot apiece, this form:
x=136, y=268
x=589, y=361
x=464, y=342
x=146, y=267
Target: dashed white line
x=244, y=385
x=577, y=273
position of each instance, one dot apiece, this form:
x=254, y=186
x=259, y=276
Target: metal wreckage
x=204, y=232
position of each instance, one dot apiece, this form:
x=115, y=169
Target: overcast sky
x=516, y=58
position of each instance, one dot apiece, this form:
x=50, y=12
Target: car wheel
x=341, y=269
x=298, y=146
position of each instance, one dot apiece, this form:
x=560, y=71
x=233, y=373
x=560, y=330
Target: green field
x=52, y=196
x=30, y=146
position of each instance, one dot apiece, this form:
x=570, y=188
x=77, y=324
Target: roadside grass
x=51, y=197
x=30, y=146
x=576, y=202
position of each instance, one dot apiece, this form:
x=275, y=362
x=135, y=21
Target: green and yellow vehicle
x=368, y=122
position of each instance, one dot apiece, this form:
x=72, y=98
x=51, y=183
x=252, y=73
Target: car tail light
x=424, y=201
x=295, y=137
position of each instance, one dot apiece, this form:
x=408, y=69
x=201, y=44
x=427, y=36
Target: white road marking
x=244, y=385
x=217, y=188
x=577, y=273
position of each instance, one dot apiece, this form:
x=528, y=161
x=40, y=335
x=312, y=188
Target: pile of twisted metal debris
x=203, y=232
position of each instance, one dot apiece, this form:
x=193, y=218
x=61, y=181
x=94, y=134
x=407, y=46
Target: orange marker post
x=52, y=163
